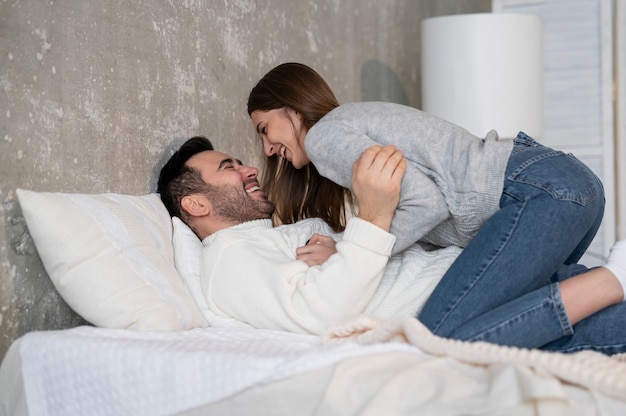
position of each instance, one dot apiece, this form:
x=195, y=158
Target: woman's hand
x=376, y=178
x=317, y=250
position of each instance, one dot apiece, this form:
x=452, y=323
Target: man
x=296, y=277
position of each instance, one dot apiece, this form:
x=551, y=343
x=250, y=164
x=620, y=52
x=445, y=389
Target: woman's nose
x=269, y=149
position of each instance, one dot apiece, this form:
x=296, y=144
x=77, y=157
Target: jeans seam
x=554, y=300
x=579, y=198
x=566, y=325
x=481, y=336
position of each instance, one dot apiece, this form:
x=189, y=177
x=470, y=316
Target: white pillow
x=188, y=261
x=110, y=256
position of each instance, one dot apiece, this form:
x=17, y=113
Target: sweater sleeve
x=333, y=146
x=266, y=288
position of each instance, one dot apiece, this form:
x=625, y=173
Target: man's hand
x=317, y=250
x=376, y=178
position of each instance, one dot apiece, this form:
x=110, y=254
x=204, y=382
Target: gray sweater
x=453, y=180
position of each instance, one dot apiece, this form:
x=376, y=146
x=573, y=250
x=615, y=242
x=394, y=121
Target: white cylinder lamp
x=485, y=72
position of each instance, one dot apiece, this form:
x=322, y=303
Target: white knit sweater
x=250, y=273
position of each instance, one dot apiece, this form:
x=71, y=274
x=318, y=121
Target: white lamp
x=484, y=71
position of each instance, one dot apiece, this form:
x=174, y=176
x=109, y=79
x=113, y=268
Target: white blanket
x=93, y=371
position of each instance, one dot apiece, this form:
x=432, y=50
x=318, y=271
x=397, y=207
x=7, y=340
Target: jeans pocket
x=561, y=175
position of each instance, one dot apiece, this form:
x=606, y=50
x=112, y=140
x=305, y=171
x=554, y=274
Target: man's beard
x=233, y=204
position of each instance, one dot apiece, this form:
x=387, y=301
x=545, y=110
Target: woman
x=524, y=213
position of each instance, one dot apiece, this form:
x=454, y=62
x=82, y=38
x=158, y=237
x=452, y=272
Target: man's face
x=233, y=189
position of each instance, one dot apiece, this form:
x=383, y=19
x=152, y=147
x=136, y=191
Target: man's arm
x=376, y=178
x=376, y=182
x=268, y=290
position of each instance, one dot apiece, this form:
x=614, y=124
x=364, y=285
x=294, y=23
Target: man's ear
x=196, y=205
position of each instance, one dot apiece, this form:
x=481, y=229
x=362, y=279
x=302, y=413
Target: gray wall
x=93, y=92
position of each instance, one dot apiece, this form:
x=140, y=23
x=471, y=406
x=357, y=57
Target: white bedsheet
x=91, y=371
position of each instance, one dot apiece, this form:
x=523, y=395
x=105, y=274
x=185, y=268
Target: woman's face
x=282, y=133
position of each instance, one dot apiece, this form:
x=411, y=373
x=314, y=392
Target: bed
x=154, y=349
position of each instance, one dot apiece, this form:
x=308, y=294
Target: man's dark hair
x=177, y=180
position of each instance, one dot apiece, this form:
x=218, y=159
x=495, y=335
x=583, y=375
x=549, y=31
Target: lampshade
x=484, y=71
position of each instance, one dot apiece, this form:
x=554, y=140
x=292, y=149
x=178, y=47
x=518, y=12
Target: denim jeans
x=503, y=287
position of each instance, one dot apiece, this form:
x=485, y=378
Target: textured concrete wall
x=92, y=93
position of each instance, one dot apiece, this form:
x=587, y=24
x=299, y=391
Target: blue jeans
x=503, y=287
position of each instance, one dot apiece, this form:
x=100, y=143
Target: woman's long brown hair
x=299, y=193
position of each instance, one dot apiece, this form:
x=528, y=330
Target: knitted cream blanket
x=587, y=369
